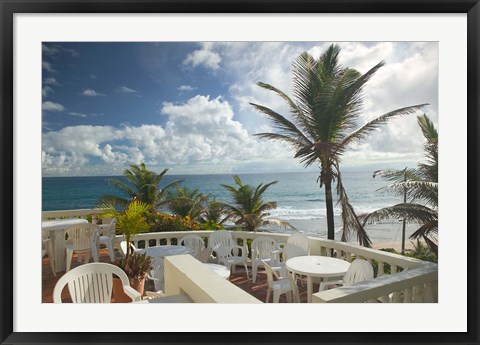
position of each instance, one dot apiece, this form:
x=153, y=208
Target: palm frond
x=350, y=220
x=277, y=222
x=365, y=130
x=285, y=127
x=122, y=186
x=414, y=213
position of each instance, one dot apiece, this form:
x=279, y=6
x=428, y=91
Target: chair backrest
x=82, y=235
x=297, y=245
x=358, y=271
x=108, y=228
x=220, y=238
x=89, y=283
x=263, y=247
x=194, y=242
x=123, y=248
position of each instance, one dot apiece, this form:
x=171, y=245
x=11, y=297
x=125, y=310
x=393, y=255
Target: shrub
x=161, y=222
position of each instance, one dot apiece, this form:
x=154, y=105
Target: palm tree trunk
x=329, y=205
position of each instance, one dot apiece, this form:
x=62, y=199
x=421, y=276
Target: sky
x=185, y=105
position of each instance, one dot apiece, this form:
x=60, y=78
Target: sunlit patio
x=395, y=279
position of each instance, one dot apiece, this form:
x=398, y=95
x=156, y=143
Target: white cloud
x=92, y=93
x=48, y=67
x=203, y=57
x=78, y=114
x=215, y=134
x=51, y=81
x=51, y=106
x=46, y=90
x=52, y=50
x=186, y=88
x=124, y=89
x=49, y=50
x=409, y=77
x=93, y=76
x=198, y=133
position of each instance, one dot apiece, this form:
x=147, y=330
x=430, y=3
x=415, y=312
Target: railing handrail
x=315, y=244
x=380, y=286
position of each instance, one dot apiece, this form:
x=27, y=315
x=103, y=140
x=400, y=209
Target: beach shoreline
x=397, y=246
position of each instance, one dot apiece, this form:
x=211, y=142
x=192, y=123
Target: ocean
x=299, y=199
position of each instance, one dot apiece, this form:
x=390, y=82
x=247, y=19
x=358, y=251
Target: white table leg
x=58, y=249
x=309, y=289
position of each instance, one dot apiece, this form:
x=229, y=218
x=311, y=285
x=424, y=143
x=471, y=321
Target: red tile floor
x=259, y=289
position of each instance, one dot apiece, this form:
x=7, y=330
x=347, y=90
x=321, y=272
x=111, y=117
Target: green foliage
x=142, y=184
x=248, y=210
x=135, y=265
x=422, y=252
x=162, y=222
x=420, y=189
x=185, y=202
x=210, y=225
x=130, y=221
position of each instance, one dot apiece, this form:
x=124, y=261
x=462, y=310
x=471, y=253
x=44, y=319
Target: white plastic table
x=56, y=229
x=221, y=270
x=162, y=251
x=317, y=266
x=158, y=253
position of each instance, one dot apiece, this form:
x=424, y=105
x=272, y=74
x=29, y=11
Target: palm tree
x=421, y=186
x=325, y=110
x=249, y=210
x=214, y=212
x=185, y=202
x=142, y=184
x=130, y=221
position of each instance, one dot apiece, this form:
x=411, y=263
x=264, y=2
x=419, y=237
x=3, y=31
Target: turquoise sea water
x=299, y=199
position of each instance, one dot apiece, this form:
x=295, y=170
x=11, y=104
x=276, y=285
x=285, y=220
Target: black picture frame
x=10, y=7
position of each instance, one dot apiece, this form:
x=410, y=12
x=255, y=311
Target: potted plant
x=136, y=266
x=130, y=222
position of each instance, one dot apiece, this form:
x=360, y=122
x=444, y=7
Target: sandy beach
x=409, y=244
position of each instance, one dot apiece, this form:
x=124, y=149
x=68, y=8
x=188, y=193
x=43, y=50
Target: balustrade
x=398, y=278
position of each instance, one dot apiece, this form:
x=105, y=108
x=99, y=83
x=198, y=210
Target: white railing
x=397, y=278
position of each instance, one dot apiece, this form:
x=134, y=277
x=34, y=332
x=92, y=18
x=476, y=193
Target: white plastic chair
x=263, y=249
x=156, y=274
x=93, y=283
x=82, y=239
x=280, y=282
x=123, y=248
x=47, y=249
x=358, y=271
x=297, y=245
x=194, y=242
x=228, y=252
x=107, y=234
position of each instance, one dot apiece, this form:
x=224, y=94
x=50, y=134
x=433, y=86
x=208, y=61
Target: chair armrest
x=243, y=250
x=132, y=293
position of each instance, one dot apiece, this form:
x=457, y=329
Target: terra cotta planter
x=120, y=296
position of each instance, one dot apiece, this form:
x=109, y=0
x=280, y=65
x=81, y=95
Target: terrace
x=398, y=279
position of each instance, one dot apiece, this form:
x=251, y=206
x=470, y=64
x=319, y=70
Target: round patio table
x=162, y=251
x=317, y=266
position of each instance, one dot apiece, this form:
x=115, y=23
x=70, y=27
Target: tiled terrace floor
x=259, y=289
